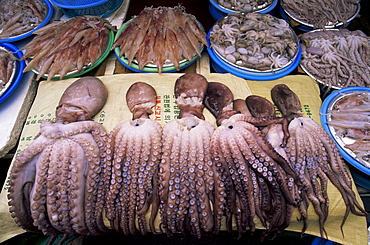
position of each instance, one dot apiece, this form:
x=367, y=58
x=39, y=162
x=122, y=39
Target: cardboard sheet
x=116, y=111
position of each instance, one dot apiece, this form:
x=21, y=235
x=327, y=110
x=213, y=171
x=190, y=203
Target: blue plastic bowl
x=361, y=180
x=20, y=65
x=50, y=12
x=103, y=10
x=322, y=241
x=77, y=4
x=221, y=66
x=327, y=104
x=218, y=11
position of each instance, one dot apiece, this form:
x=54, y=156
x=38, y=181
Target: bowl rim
x=48, y=16
x=18, y=73
x=73, y=12
x=254, y=76
x=324, y=117
x=77, y=6
x=264, y=9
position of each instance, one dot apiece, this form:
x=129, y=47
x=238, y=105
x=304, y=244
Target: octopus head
x=260, y=106
x=190, y=90
x=240, y=106
x=82, y=100
x=219, y=101
x=287, y=101
x=140, y=99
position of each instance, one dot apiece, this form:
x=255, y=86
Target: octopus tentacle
x=256, y=197
x=64, y=183
x=39, y=194
x=212, y=186
x=195, y=195
x=220, y=200
x=315, y=158
x=77, y=189
x=244, y=177
x=163, y=178
x=308, y=183
x=54, y=186
x=112, y=177
x=265, y=145
x=333, y=153
x=337, y=166
x=92, y=177
x=263, y=199
x=174, y=190
x=220, y=166
x=149, y=164
x=250, y=134
x=182, y=184
x=21, y=183
x=133, y=158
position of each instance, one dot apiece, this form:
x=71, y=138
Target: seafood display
x=19, y=16
x=245, y=6
x=68, y=46
x=254, y=41
x=337, y=58
x=323, y=13
x=158, y=36
x=7, y=68
x=55, y=183
x=132, y=157
x=252, y=171
x=348, y=116
x=191, y=193
x=259, y=182
x=315, y=158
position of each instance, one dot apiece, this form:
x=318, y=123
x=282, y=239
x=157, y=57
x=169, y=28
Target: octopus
x=64, y=47
x=7, y=68
x=19, y=17
x=55, y=183
x=161, y=36
x=315, y=159
x=191, y=193
x=259, y=182
x=337, y=58
x=260, y=107
x=245, y=6
x=254, y=41
x=349, y=117
x=320, y=14
x=133, y=153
